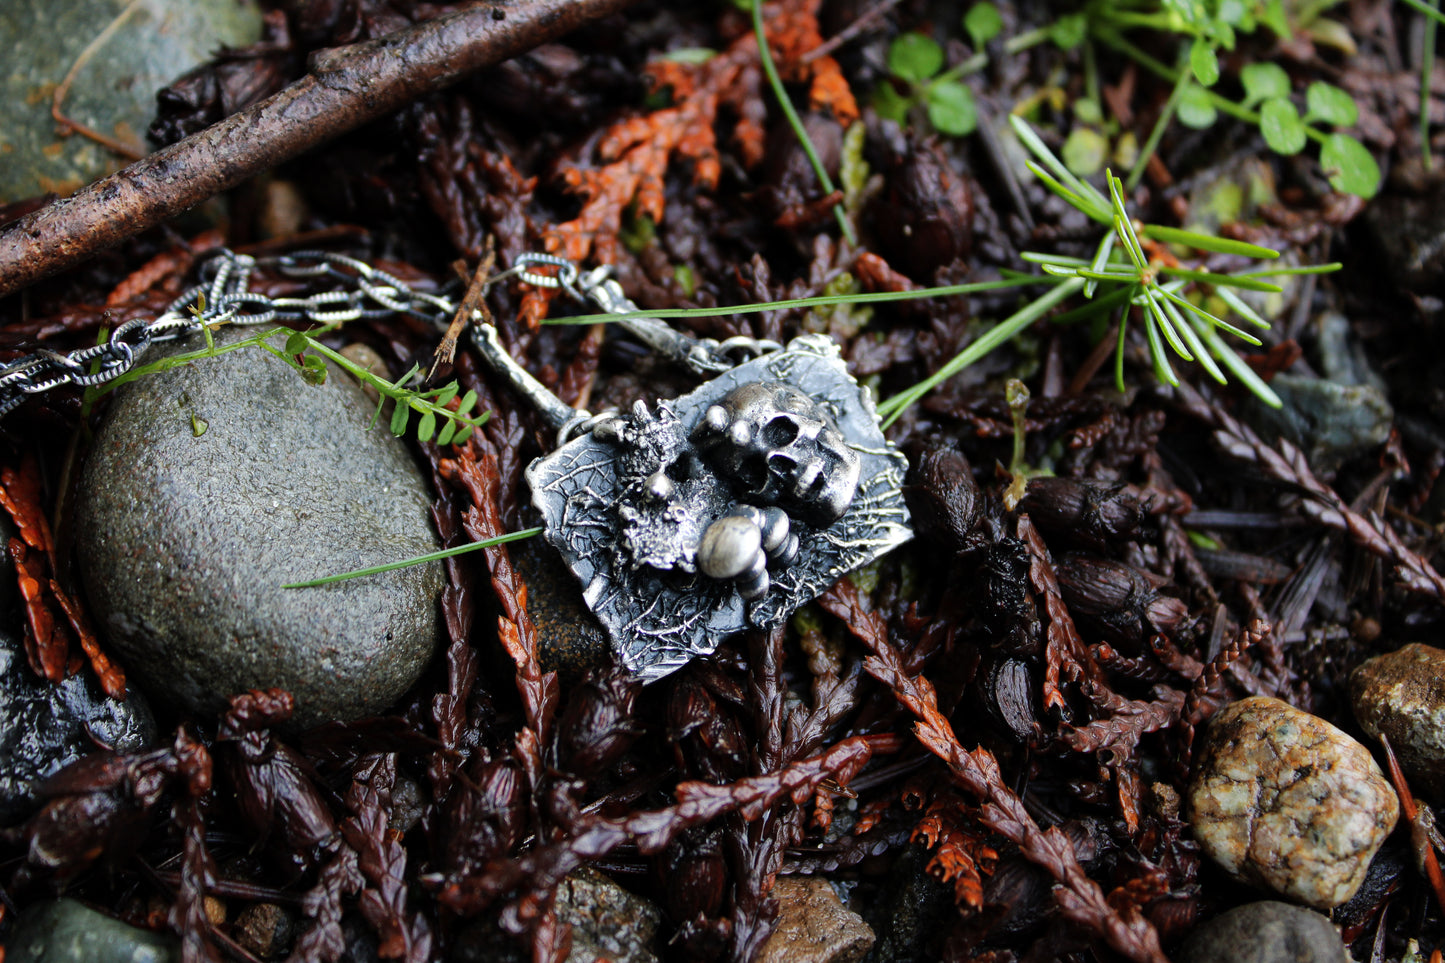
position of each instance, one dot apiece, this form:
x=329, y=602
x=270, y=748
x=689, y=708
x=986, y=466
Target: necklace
x=685, y=521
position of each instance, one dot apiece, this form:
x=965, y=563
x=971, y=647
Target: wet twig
x=344, y=89
x=1286, y=463
x=1079, y=897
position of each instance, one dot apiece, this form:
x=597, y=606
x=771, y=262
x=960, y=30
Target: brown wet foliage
x=1016, y=694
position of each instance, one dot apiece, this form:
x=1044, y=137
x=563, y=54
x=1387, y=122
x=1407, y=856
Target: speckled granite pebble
x=185, y=540
x=608, y=923
x=1265, y=932
x=1285, y=801
x=1402, y=694
x=814, y=926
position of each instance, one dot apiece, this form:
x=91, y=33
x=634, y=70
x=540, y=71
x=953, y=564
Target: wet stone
x=570, y=640
x=1265, y=932
x=114, y=88
x=45, y=727
x=265, y=929
x=814, y=926
x=608, y=923
x=1406, y=224
x=1285, y=801
x=1402, y=695
x=1330, y=422
x=911, y=910
x=185, y=539
x=65, y=931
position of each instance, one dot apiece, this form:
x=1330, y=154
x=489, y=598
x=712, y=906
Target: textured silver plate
x=634, y=550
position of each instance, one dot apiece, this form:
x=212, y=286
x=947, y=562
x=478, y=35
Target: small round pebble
x=1265, y=932
x=1402, y=695
x=1283, y=800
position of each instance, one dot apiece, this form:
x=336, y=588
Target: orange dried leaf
x=792, y=32
x=961, y=854
x=172, y=264
x=46, y=649
x=112, y=678
x=20, y=497
x=635, y=153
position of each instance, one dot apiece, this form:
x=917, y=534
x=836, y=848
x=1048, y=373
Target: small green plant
x=1208, y=27
x=1121, y=278
x=919, y=83
x=915, y=62
x=308, y=356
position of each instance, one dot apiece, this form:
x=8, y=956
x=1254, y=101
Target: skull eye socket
x=780, y=432
x=752, y=471
x=781, y=464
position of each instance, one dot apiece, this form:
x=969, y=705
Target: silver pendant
x=693, y=519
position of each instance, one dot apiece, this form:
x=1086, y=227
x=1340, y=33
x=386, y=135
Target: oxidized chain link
x=224, y=297
x=704, y=356
x=361, y=291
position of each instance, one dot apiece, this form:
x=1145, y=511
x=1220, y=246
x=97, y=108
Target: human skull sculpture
x=784, y=449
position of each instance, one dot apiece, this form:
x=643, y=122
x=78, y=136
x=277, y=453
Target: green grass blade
x=1084, y=205
x=1040, y=150
x=1238, y=368
x=1185, y=327
x=1207, y=316
x=890, y=410
x=1014, y=280
x=1241, y=308
x=1063, y=260
x=1131, y=242
x=1208, y=242
x=1103, y=303
x=1157, y=354
x=1119, y=351
x=1101, y=258
x=1221, y=280
x=765, y=56
x=1329, y=268
x=418, y=560
x=1427, y=10
x=1166, y=325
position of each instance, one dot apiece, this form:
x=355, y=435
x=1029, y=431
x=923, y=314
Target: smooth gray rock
x=1342, y=357
x=114, y=91
x=1265, y=932
x=1330, y=422
x=65, y=931
x=185, y=540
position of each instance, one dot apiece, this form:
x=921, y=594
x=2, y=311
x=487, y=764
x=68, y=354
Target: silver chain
x=704, y=356
x=359, y=290
x=224, y=297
